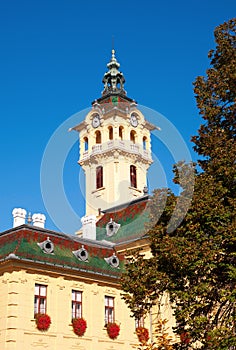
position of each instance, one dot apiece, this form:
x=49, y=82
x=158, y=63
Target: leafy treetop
x=196, y=262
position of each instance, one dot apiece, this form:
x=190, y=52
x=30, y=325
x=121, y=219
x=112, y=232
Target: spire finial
x=112, y=43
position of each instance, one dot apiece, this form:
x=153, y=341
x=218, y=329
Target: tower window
x=132, y=136
x=99, y=177
x=98, y=136
x=133, y=176
x=110, y=130
x=121, y=130
x=85, y=144
x=144, y=143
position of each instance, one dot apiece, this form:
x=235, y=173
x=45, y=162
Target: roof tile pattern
x=132, y=220
x=23, y=243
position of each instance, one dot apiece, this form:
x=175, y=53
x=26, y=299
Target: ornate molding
x=115, y=153
x=79, y=286
x=41, y=279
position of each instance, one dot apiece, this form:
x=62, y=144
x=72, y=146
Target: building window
x=139, y=322
x=98, y=136
x=144, y=143
x=132, y=136
x=110, y=130
x=76, y=304
x=85, y=144
x=133, y=176
x=121, y=130
x=109, y=310
x=99, y=177
x=40, y=298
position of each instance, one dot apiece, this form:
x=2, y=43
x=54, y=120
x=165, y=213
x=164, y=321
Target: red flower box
x=113, y=330
x=79, y=326
x=43, y=321
x=142, y=334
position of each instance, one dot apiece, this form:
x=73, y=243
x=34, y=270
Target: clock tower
x=115, y=146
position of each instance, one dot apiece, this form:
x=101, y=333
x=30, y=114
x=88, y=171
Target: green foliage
x=196, y=262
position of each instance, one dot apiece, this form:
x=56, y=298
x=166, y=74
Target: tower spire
x=113, y=79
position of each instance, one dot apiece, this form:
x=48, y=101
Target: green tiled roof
x=132, y=220
x=23, y=243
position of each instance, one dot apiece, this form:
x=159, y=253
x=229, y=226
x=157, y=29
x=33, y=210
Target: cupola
x=113, y=79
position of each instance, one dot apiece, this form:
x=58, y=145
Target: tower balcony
x=123, y=146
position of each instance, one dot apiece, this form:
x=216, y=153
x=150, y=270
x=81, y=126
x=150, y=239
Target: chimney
x=39, y=220
x=89, y=227
x=19, y=215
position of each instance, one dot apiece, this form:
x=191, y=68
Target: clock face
x=133, y=120
x=96, y=121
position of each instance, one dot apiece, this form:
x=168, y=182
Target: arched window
x=144, y=142
x=98, y=136
x=121, y=130
x=132, y=136
x=133, y=176
x=118, y=84
x=85, y=143
x=99, y=177
x=110, y=130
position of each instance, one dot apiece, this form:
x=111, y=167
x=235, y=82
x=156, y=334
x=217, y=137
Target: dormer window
x=47, y=246
x=112, y=227
x=81, y=254
x=113, y=261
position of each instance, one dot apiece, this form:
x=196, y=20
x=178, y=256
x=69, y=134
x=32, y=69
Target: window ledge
x=134, y=189
x=98, y=189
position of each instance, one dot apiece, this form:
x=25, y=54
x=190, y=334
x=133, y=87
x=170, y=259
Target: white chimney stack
x=89, y=227
x=19, y=215
x=39, y=220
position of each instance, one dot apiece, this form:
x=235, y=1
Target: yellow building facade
x=67, y=277
x=34, y=280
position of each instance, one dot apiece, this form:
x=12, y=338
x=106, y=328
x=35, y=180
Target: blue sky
x=53, y=57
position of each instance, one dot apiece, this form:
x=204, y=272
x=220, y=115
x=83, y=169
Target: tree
x=163, y=340
x=196, y=262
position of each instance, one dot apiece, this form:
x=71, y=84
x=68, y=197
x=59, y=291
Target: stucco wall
x=17, y=324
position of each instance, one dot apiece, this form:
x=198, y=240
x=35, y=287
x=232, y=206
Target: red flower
x=113, y=330
x=79, y=326
x=142, y=334
x=184, y=337
x=43, y=321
